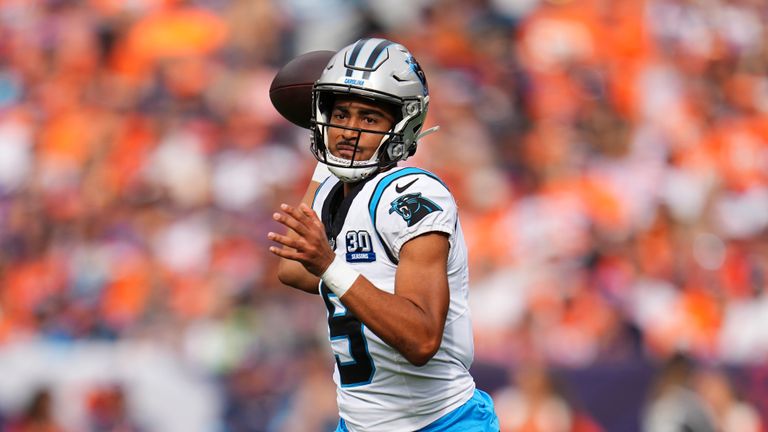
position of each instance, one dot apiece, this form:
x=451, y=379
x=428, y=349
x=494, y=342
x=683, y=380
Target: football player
x=383, y=247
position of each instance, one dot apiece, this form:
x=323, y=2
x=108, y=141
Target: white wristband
x=339, y=276
x=321, y=172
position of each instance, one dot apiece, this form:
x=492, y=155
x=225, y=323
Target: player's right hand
x=310, y=245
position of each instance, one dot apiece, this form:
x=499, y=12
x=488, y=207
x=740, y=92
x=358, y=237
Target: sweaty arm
x=412, y=319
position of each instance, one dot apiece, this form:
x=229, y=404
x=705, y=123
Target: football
x=291, y=89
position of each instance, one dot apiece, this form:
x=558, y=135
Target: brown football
x=291, y=89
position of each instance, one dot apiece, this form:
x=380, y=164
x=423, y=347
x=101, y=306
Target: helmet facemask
x=353, y=168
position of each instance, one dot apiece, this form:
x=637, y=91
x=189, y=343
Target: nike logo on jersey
x=402, y=189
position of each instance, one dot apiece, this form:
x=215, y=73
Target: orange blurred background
x=609, y=158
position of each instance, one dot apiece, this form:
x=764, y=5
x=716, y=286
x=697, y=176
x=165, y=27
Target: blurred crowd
x=609, y=158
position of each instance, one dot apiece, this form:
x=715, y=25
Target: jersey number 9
x=348, y=341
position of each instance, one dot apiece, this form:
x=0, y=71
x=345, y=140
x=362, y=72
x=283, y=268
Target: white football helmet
x=381, y=71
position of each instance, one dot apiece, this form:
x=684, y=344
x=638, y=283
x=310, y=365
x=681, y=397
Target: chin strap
x=429, y=131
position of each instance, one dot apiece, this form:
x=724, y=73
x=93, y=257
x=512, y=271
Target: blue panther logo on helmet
x=416, y=68
x=413, y=207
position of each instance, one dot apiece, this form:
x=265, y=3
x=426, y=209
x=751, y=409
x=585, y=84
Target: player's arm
x=290, y=272
x=412, y=319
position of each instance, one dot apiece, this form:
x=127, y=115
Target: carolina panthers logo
x=416, y=68
x=413, y=207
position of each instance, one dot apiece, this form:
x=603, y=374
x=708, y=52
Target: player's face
x=357, y=113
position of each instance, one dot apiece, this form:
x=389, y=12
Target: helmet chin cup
x=350, y=174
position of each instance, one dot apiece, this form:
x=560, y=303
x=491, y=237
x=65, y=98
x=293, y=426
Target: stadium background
x=610, y=160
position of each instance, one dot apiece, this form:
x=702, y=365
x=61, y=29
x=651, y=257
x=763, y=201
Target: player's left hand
x=310, y=244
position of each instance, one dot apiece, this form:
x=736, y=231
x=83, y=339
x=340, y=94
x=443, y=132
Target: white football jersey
x=378, y=389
